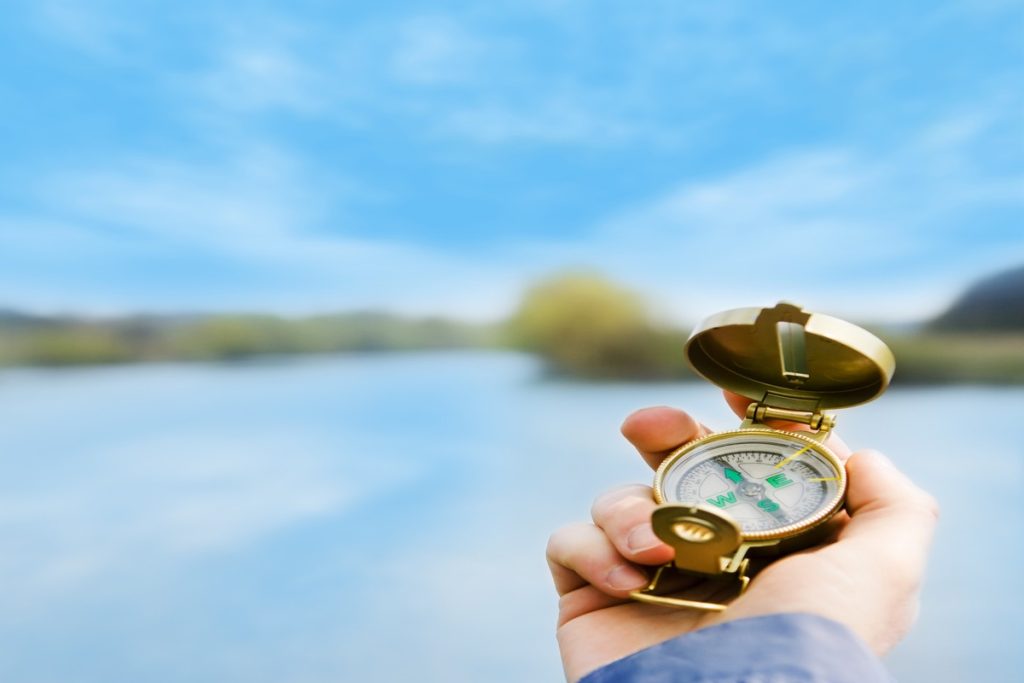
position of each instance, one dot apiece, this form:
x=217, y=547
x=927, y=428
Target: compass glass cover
x=763, y=481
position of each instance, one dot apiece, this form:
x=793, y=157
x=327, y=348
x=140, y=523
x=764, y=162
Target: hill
x=993, y=304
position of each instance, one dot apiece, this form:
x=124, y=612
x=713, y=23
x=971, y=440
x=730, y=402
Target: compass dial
x=772, y=483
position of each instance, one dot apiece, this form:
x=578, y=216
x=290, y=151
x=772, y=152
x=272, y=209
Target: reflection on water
x=384, y=517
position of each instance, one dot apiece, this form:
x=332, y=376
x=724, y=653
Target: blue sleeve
x=778, y=648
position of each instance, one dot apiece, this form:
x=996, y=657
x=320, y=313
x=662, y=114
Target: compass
x=759, y=489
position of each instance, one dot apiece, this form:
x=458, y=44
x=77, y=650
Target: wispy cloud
x=438, y=51
x=94, y=28
x=259, y=230
x=253, y=77
x=445, y=76
x=239, y=201
x=559, y=121
x=308, y=144
x=879, y=235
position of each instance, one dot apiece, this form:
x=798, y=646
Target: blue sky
x=863, y=159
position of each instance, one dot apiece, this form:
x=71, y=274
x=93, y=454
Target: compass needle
x=793, y=457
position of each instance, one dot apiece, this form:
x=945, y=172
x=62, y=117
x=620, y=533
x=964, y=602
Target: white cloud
x=877, y=236
x=256, y=231
x=563, y=119
x=824, y=222
x=261, y=77
x=450, y=76
x=94, y=28
x=437, y=51
x=253, y=196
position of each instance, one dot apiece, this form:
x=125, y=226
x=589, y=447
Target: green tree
x=584, y=325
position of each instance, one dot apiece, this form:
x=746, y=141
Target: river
x=383, y=517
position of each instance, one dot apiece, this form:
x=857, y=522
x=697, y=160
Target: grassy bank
x=938, y=358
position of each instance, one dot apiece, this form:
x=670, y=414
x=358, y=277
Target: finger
x=656, y=432
x=581, y=554
x=739, y=404
x=889, y=514
x=584, y=600
x=832, y=532
x=624, y=514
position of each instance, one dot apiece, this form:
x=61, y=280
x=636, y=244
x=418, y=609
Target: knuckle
x=610, y=502
x=561, y=540
x=931, y=505
x=926, y=505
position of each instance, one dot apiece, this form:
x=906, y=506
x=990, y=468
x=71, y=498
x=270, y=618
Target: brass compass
x=758, y=490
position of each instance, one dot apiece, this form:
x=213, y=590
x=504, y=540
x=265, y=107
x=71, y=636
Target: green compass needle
x=750, y=491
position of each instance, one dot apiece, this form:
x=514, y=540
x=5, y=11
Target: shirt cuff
x=776, y=648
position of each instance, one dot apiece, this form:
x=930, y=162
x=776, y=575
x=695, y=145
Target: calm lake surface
x=383, y=517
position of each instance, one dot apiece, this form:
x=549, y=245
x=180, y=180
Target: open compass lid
x=784, y=355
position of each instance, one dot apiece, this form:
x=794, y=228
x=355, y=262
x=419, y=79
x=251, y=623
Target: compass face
x=772, y=484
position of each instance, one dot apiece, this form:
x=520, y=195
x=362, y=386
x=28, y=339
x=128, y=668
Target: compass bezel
x=781, y=533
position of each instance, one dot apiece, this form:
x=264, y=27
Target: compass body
x=760, y=490
x=775, y=485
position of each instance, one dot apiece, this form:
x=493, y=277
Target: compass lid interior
x=790, y=358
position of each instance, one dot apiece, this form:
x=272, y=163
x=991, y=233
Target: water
x=383, y=517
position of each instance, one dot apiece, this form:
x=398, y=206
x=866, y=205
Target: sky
x=436, y=158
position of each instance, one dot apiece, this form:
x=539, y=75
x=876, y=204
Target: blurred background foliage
x=582, y=324
x=55, y=341
x=587, y=326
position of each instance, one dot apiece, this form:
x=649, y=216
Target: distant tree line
x=28, y=340
x=581, y=324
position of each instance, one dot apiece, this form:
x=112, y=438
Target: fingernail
x=624, y=578
x=642, y=538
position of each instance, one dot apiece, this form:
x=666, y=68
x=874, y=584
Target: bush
x=584, y=325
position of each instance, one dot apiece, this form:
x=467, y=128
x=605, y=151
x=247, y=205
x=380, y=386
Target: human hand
x=867, y=578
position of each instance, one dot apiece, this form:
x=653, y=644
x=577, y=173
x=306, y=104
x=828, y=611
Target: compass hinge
x=822, y=422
